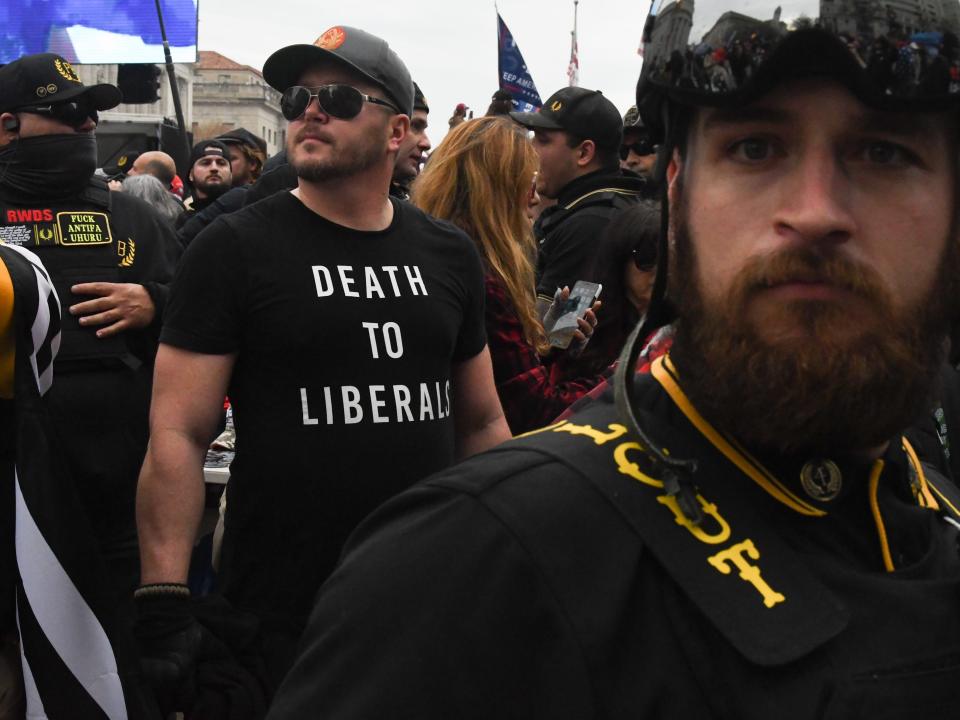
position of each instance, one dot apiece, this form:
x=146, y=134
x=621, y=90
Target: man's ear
x=398, y=128
x=9, y=128
x=586, y=153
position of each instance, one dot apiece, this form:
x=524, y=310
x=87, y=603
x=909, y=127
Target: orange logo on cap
x=331, y=39
x=66, y=69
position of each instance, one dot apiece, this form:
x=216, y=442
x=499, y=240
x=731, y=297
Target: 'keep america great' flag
x=514, y=76
x=77, y=659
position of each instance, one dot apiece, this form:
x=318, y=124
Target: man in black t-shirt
x=347, y=329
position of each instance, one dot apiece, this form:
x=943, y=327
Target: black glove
x=168, y=639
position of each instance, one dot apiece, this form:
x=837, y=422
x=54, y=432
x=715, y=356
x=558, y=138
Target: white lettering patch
x=15, y=234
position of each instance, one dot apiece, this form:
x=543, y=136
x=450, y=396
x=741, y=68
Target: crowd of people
x=464, y=486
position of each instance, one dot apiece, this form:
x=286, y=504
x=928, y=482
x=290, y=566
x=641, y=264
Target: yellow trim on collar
x=618, y=191
x=926, y=498
x=664, y=372
x=875, y=473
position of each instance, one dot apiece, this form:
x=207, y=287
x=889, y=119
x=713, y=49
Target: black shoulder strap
x=98, y=193
x=756, y=591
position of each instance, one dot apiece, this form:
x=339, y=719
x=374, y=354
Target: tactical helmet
x=892, y=54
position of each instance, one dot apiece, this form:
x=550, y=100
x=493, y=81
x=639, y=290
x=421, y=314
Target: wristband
x=161, y=590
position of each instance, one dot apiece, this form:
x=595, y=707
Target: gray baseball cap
x=352, y=48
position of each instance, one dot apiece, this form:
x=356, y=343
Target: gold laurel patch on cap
x=331, y=39
x=556, y=106
x=66, y=70
x=821, y=479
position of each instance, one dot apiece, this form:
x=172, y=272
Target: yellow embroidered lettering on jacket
x=709, y=509
x=598, y=436
x=631, y=469
x=749, y=573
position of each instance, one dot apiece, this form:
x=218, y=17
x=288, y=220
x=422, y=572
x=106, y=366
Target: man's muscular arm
x=477, y=413
x=188, y=392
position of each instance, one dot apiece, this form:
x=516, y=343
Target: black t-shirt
x=341, y=389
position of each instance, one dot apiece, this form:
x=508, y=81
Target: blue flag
x=514, y=77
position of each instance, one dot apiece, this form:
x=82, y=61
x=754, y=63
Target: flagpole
x=573, y=70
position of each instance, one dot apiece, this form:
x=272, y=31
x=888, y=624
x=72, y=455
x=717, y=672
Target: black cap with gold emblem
x=45, y=79
x=581, y=112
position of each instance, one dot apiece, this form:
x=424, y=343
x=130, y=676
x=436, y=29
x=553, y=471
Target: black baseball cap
x=581, y=112
x=209, y=147
x=352, y=48
x=419, y=101
x=122, y=165
x=242, y=136
x=46, y=78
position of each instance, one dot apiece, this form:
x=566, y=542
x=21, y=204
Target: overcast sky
x=450, y=46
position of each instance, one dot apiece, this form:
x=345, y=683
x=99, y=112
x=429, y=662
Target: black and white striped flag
x=77, y=658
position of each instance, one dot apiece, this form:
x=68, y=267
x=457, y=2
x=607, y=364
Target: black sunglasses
x=640, y=148
x=72, y=112
x=340, y=101
x=642, y=260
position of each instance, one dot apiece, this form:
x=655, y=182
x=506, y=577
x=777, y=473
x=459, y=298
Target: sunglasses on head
x=642, y=259
x=72, y=112
x=340, y=101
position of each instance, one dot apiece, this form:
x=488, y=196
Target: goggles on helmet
x=340, y=101
x=891, y=53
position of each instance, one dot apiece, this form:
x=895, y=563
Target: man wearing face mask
x=110, y=257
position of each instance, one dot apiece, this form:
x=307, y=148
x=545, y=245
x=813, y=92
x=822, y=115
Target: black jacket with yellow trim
x=554, y=578
x=568, y=233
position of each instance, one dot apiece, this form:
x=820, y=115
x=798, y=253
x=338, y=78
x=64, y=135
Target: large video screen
x=98, y=31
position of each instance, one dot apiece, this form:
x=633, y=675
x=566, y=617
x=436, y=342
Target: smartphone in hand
x=581, y=299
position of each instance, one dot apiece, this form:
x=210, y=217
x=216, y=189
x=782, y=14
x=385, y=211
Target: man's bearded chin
x=832, y=386
x=215, y=190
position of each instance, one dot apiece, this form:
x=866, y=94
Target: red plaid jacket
x=533, y=390
x=657, y=344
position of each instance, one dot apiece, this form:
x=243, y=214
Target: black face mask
x=47, y=167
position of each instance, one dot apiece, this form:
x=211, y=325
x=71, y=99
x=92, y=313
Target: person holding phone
x=479, y=179
x=577, y=135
